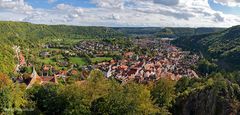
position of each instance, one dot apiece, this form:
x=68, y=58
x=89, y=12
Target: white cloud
x=63, y=6
x=73, y=12
x=218, y=18
x=19, y=5
x=109, y=3
x=51, y=1
x=231, y=3
x=159, y=13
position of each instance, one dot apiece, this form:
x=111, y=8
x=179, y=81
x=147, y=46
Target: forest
x=166, y=32
x=221, y=48
x=185, y=32
x=217, y=94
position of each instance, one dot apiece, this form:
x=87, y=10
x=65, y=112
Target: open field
x=78, y=60
x=100, y=59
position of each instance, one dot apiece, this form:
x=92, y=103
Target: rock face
x=212, y=100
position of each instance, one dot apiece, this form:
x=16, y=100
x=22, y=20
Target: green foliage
x=12, y=97
x=78, y=60
x=100, y=59
x=88, y=59
x=222, y=46
x=165, y=32
x=205, y=67
x=183, y=84
x=218, y=93
x=32, y=36
x=129, y=99
x=96, y=95
x=48, y=99
x=164, y=92
x=180, y=32
x=215, y=95
x=77, y=102
x=138, y=31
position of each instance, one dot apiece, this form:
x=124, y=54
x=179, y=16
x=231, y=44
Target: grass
x=78, y=60
x=81, y=61
x=100, y=59
x=47, y=61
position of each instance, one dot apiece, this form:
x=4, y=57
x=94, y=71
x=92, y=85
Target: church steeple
x=35, y=78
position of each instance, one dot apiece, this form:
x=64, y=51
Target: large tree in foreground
x=12, y=97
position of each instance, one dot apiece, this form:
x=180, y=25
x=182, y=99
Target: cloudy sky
x=137, y=13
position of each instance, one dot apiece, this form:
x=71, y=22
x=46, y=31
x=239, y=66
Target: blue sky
x=48, y=5
x=134, y=13
x=88, y=4
x=224, y=8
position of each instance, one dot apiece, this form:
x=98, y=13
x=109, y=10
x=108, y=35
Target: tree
x=128, y=99
x=48, y=98
x=12, y=97
x=205, y=67
x=77, y=102
x=164, y=92
x=88, y=59
x=182, y=84
x=97, y=85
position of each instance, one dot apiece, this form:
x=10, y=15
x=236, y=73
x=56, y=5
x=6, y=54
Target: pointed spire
x=35, y=78
x=34, y=73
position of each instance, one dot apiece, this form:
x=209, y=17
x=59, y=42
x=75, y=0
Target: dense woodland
x=216, y=92
x=166, y=32
x=221, y=48
x=183, y=32
x=138, y=31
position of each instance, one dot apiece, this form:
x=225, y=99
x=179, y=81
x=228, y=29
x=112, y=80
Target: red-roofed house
x=36, y=79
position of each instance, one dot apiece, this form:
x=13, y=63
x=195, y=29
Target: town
x=140, y=60
x=120, y=57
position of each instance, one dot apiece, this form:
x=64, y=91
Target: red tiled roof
x=132, y=71
x=63, y=72
x=123, y=67
x=22, y=59
x=45, y=68
x=74, y=72
x=112, y=61
x=52, y=79
x=139, y=64
x=128, y=54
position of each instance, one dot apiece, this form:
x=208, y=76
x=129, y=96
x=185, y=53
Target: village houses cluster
x=168, y=62
x=97, y=48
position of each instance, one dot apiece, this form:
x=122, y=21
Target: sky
x=124, y=13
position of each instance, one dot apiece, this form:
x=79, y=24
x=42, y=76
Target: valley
x=62, y=69
x=141, y=60
x=119, y=57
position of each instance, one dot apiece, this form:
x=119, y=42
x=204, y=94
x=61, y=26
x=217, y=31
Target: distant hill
x=28, y=30
x=165, y=32
x=179, y=32
x=223, y=46
x=138, y=31
x=31, y=36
